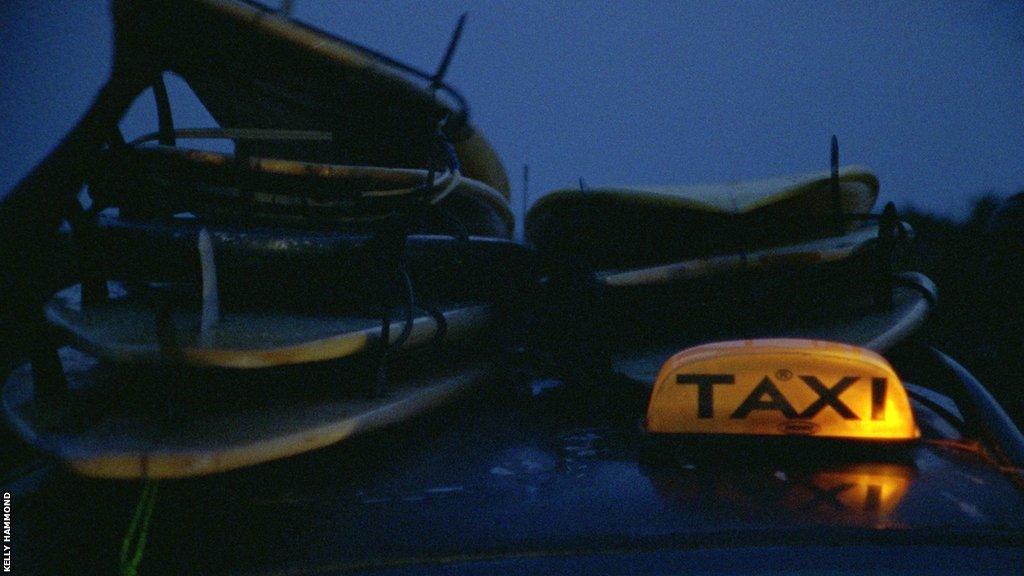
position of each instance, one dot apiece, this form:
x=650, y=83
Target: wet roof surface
x=555, y=471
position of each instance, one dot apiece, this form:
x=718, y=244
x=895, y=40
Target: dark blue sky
x=929, y=94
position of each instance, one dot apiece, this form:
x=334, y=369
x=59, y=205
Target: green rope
x=135, y=539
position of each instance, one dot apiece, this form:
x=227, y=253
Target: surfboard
x=309, y=267
x=251, y=67
x=271, y=191
x=630, y=227
x=802, y=254
x=850, y=320
x=858, y=191
x=125, y=329
x=120, y=424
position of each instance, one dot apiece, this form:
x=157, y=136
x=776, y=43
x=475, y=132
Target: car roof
x=566, y=470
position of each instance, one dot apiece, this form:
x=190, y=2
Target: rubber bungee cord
x=447, y=158
x=387, y=347
x=411, y=304
x=454, y=168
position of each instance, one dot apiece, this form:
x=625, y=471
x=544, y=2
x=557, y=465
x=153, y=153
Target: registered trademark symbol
x=783, y=374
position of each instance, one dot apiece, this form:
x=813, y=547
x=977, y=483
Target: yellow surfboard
x=632, y=227
x=858, y=192
x=122, y=424
x=800, y=255
x=251, y=67
x=126, y=330
x=847, y=320
x=287, y=191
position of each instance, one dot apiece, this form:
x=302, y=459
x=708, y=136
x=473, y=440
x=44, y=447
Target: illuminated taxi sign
x=780, y=387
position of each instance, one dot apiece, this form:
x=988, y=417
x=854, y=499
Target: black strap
x=163, y=111
x=390, y=242
x=440, y=322
x=837, y=193
x=889, y=233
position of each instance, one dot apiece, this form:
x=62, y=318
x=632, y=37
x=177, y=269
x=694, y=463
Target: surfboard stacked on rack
x=794, y=256
x=342, y=267
x=328, y=276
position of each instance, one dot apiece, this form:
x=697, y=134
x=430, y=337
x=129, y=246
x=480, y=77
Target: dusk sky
x=928, y=94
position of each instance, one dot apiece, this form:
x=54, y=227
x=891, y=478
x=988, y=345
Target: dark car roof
x=553, y=472
x=566, y=470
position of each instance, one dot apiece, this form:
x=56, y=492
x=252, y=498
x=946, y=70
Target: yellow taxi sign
x=778, y=387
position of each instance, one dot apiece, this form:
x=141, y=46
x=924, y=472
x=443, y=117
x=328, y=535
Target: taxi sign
x=778, y=387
